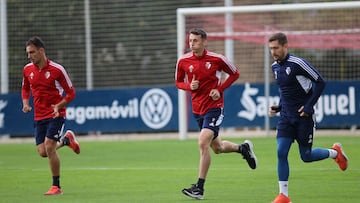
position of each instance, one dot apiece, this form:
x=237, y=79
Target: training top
x=295, y=78
x=208, y=70
x=47, y=87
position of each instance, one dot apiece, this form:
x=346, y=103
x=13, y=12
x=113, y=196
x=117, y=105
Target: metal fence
x=133, y=42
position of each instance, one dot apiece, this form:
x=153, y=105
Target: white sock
x=332, y=153
x=283, y=187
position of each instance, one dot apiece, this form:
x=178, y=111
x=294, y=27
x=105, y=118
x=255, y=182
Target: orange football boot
x=341, y=159
x=54, y=190
x=281, y=198
x=74, y=144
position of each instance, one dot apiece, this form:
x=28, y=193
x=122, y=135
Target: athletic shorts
x=51, y=128
x=210, y=120
x=300, y=129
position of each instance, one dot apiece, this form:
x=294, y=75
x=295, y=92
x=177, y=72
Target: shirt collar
x=202, y=56
x=285, y=59
x=46, y=65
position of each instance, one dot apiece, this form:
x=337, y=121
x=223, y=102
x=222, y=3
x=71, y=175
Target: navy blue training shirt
x=299, y=83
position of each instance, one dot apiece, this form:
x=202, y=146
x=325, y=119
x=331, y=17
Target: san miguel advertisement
x=338, y=106
x=156, y=109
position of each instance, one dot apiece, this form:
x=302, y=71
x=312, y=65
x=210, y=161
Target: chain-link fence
x=134, y=41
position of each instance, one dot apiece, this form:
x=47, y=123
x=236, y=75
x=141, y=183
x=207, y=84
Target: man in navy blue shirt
x=300, y=86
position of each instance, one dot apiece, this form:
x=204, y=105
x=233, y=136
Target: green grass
x=156, y=171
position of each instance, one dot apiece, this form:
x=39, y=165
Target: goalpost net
x=327, y=34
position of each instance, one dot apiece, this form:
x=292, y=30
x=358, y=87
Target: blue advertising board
x=155, y=109
x=124, y=110
x=338, y=106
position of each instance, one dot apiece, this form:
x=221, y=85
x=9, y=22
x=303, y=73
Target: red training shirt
x=47, y=87
x=207, y=69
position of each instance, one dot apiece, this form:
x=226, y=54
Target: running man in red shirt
x=47, y=81
x=199, y=72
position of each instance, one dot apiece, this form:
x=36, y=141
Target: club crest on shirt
x=208, y=65
x=31, y=75
x=191, y=68
x=288, y=70
x=47, y=74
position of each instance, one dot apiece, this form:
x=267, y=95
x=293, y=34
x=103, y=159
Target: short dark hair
x=281, y=37
x=198, y=31
x=36, y=41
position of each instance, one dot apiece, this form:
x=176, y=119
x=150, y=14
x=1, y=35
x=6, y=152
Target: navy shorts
x=211, y=120
x=51, y=128
x=300, y=129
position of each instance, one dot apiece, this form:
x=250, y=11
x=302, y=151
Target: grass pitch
x=156, y=171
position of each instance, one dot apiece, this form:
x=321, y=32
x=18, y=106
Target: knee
x=217, y=150
x=42, y=153
x=305, y=154
x=282, y=154
x=203, y=146
x=306, y=158
x=41, y=150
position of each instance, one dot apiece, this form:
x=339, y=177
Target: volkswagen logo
x=156, y=108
